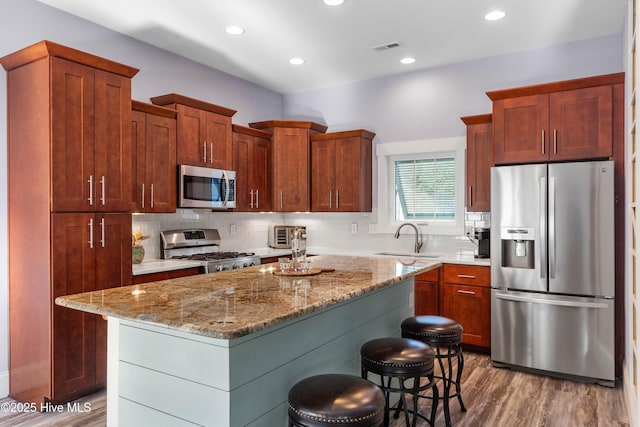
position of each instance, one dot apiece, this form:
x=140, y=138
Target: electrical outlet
x=354, y=228
x=233, y=229
x=372, y=228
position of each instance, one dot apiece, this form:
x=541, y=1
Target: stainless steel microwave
x=200, y=187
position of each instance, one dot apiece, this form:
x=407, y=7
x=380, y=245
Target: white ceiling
x=337, y=42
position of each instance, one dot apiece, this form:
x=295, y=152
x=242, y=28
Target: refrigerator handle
x=543, y=227
x=552, y=228
x=564, y=303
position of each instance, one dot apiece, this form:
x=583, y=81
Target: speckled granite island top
x=232, y=304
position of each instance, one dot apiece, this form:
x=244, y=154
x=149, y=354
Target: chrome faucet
x=418, y=244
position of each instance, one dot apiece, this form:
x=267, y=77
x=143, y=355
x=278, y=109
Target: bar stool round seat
x=404, y=362
x=445, y=336
x=335, y=400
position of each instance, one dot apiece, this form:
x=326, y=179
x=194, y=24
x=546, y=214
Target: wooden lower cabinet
x=462, y=293
x=164, y=275
x=427, y=293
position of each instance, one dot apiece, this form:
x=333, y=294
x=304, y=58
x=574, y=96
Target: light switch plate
x=354, y=228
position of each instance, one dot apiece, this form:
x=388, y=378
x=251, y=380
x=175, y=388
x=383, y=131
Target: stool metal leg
x=459, y=377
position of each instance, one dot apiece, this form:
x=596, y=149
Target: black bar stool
x=445, y=335
x=335, y=400
x=402, y=360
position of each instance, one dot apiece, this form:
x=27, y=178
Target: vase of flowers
x=137, y=250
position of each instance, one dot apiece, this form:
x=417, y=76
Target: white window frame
x=388, y=153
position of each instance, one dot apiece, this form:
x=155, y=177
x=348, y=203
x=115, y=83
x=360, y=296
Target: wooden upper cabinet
x=341, y=171
x=90, y=135
x=568, y=120
x=291, y=162
x=252, y=164
x=204, y=131
x=154, y=158
x=478, y=163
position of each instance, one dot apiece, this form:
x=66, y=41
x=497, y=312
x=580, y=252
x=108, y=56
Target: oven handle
x=226, y=183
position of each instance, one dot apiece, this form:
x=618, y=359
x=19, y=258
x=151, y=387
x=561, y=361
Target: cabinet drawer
x=429, y=276
x=467, y=274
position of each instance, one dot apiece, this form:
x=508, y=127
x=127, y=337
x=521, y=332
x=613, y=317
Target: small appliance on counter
x=280, y=235
x=482, y=240
x=201, y=244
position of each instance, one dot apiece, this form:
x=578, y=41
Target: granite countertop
x=159, y=265
x=232, y=304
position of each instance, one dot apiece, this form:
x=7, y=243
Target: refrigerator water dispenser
x=518, y=247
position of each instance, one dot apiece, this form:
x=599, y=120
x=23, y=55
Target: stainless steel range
x=202, y=244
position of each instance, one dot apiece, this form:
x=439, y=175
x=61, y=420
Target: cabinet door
x=218, y=145
x=260, y=165
x=353, y=175
x=113, y=269
x=138, y=161
x=479, y=154
x=72, y=136
x=290, y=168
x=323, y=175
x=74, y=332
x=160, y=167
x=581, y=123
x=521, y=129
x=112, y=142
x=471, y=307
x=242, y=167
x=191, y=146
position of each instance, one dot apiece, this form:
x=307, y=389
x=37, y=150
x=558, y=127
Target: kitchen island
x=223, y=349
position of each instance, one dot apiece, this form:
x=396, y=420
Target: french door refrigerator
x=552, y=269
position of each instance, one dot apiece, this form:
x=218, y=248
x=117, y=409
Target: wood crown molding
x=251, y=131
x=606, y=79
x=174, y=98
x=269, y=124
x=153, y=109
x=48, y=48
x=476, y=120
x=360, y=133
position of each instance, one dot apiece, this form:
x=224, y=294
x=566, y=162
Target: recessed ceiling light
x=494, y=15
x=234, y=30
x=333, y=2
x=296, y=61
x=408, y=60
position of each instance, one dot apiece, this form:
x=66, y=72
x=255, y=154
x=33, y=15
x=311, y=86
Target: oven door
x=200, y=187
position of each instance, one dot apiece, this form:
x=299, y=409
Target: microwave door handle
x=226, y=184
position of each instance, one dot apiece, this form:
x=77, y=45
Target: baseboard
x=4, y=384
x=630, y=397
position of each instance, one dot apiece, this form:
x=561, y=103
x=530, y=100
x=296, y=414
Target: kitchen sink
x=409, y=254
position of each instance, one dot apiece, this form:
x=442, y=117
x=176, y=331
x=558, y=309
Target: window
x=425, y=189
x=421, y=182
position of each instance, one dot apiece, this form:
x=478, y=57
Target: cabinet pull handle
x=555, y=141
x=257, y=199
x=151, y=196
x=470, y=195
x=91, y=233
x=542, y=141
x=280, y=199
x=211, y=152
x=251, y=198
x=466, y=276
x=102, y=231
x=90, y=181
x=204, y=151
x=460, y=291
x=337, y=199
x=142, y=195
x=330, y=199
x=102, y=183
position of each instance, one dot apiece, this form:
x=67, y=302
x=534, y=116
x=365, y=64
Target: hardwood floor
x=493, y=397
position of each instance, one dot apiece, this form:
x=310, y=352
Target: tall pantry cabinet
x=69, y=166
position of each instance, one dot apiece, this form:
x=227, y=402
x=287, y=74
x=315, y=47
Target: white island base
x=164, y=377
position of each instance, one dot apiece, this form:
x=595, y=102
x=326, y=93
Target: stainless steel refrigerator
x=552, y=269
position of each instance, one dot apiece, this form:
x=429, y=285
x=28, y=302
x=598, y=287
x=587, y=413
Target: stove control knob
x=235, y=266
x=246, y=264
x=219, y=268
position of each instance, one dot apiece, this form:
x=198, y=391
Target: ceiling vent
x=386, y=46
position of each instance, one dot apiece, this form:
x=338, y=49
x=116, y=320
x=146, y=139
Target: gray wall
x=416, y=105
